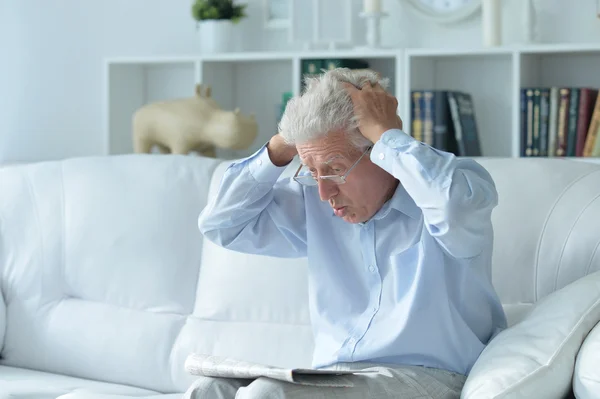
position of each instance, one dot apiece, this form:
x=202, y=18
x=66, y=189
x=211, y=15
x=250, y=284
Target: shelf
x=257, y=56
x=255, y=82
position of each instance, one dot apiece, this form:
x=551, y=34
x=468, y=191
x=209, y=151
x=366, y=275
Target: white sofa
x=107, y=285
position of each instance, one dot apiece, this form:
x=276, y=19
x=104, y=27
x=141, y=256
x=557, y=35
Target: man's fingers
x=349, y=87
x=377, y=87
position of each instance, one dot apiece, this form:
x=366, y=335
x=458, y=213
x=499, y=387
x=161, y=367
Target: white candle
x=371, y=6
x=529, y=22
x=491, y=22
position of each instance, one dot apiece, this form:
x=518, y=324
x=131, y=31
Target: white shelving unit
x=255, y=82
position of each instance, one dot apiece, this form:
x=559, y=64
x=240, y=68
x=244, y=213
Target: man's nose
x=327, y=189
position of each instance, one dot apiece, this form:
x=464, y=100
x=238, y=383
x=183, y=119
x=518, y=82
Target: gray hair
x=325, y=107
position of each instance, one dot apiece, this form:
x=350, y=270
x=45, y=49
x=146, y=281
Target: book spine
x=443, y=129
x=350, y=63
x=544, y=119
x=428, y=118
x=572, y=124
x=553, y=121
x=563, y=119
x=596, y=150
x=587, y=98
x=536, y=122
x=523, y=122
x=310, y=68
x=592, y=133
x=529, y=124
x=470, y=134
x=417, y=120
x=454, y=112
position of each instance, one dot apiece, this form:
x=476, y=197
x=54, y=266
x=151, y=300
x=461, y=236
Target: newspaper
x=219, y=366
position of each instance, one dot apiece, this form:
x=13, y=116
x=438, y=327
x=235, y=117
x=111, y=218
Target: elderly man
x=398, y=237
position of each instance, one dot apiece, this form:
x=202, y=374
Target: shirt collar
x=400, y=201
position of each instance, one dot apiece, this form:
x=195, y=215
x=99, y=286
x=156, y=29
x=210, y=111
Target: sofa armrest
x=534, y=358
x=586, y=379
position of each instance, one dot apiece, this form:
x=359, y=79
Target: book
x=428, y=117
x=592, y=134
x=309, y=68
x=350, y=63
x=443, y=128
x=523, y=122
x=417, y=117
x=573, y=112
x=462, y=110
x=563, y=120
x=536, y=122
x=587, y=100
x=544, y=121
x=553, y=121
x=226, y=367
x=529, y=123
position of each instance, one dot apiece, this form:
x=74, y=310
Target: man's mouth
x=340, y=211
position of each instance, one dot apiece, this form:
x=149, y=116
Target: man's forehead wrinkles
x=328, y=161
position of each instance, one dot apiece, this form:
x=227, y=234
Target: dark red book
x=587, y=100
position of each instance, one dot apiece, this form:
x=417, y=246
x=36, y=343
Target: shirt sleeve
x=254, y=212
x=455, y=195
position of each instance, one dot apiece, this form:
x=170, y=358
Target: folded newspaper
x=219, y=366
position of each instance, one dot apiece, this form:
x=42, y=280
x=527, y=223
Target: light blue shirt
x=410, y=286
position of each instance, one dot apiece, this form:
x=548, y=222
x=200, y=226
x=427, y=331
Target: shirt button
x=259, y=162
x=351, y=341
x=374, y=310
x=372, y=269
x=381, y=155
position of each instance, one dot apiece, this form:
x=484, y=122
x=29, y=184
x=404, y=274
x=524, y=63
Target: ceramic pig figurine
x=191, y=124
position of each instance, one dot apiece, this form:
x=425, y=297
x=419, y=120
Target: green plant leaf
x=218, y=9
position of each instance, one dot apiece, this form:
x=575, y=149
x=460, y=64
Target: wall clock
x=445, y=11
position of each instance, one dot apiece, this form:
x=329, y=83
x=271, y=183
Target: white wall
x=51, y=54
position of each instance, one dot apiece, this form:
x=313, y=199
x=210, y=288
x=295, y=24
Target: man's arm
x=455, y=195
x=253, y=212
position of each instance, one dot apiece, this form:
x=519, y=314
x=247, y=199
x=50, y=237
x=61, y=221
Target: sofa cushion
x=586, y=381
x=535, y=358
x=30, y=384
x=100, y=260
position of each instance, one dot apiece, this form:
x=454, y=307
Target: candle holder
x=373, y=20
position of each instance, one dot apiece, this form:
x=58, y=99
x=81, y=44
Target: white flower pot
x=216, y=36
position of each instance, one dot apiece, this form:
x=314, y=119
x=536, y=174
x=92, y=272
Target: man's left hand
x=375, y=110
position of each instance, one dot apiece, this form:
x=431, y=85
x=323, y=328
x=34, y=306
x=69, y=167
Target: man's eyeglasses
x=311, y=180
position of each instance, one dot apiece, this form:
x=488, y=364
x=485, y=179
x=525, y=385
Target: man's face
x=367, y=186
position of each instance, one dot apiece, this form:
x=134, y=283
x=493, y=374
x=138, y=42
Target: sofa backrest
x=105, y=275
x=546, y=226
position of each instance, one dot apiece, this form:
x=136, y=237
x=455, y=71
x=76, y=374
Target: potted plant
x=215, y=20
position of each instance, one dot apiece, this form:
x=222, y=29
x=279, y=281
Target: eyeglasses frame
x=331, y=177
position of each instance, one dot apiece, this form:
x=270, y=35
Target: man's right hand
x=280, y=152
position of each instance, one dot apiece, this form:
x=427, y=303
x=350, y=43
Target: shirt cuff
x=262, y=169
x=389, y=144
